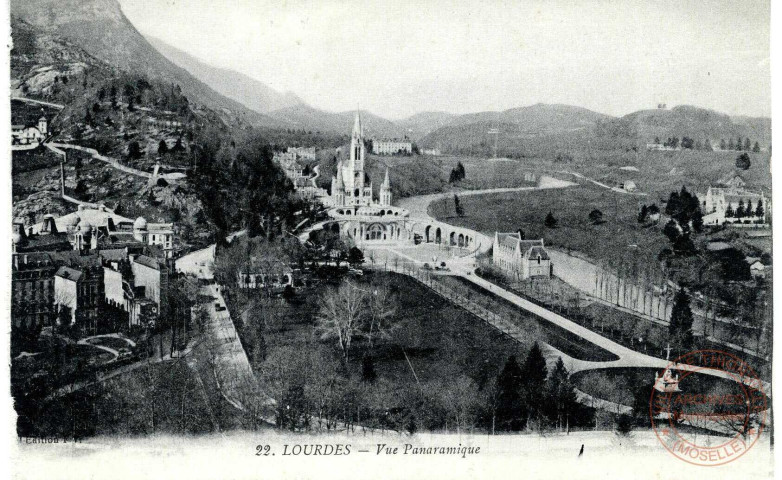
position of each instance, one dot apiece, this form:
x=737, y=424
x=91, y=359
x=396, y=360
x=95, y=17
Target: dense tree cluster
x=240, y=187
x=686, y=218
x=528, y=397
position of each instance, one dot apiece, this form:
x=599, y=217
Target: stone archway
x=452, y=238
x=375, y=232
x=438, y=236
x=427, y=231
x=461, y=240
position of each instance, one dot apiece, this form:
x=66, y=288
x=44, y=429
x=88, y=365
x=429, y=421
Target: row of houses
x=66, y=271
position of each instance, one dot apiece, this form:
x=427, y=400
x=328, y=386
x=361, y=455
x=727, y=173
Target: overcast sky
x=399, y=57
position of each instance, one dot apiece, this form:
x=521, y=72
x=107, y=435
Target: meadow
x=619, y=238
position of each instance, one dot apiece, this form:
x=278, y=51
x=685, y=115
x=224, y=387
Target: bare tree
x=342, y=316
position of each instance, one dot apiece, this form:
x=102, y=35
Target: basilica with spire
x=351, y=185
x=354, y=213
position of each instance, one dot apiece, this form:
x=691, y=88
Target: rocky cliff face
x=101, y=29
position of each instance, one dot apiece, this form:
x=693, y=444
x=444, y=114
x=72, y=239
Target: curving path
x=465, y=267
x=418, y=205
x=57, y=147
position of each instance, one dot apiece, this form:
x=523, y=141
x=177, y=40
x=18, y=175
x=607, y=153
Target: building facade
x=356, y=214
x=392, y=147
x=733, y=204
x=520, y=259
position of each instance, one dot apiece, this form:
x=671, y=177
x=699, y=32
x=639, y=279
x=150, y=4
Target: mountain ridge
x=100, y=28
x=237, y=86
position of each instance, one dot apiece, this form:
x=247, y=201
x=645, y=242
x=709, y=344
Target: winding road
x=464, y=267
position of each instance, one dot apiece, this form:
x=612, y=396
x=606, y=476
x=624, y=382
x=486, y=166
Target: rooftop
x=69, y=273
x=148, y=262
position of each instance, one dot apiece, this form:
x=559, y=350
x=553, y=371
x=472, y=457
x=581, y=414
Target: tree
x=740, y=212
x=342, y=315
x=560, y=396
x=624, y=425
x=162, y=147
x=748, y=210
x=596, y=216
x=680, y=326
x=723, y=145
x=368, y=373
x=134, y=150
x=355, y=257
x=756, y=148
x=672, y=231
x=550, y=221
x=521, y=233
x=743, y=162
x=747, y=144
x=533, y=375
x=457, y=173
x=510, y=410
x=643, y=213
x=729, y=212
x=759, y=211
x=731, y=145
x=457, y=205
x=178, y=147
x=707, y=145
x=738, y=144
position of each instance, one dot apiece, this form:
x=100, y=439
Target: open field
x=619, y=237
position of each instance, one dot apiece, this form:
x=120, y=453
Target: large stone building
x=731, y=202
x=391, y=147
x=356, y=213
x=520, y=259
x=105, y=229
x=84, y=261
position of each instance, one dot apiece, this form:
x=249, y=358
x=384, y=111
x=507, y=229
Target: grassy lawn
x=619, y=237
x=440, y=339
x=538, y=329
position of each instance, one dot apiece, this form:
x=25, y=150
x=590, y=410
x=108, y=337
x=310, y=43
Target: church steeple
x=385, y=191
x=358, y=131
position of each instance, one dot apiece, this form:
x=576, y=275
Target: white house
x=520, y=258
x=29, y=134
x=720, y=205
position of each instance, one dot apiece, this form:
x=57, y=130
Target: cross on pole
x=668, y=351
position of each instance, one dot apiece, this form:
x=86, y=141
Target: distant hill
x=421, y=124
x=312, y=119
x=101, y=29
x=515, y=125
x=525, y=130
x=246, y=90
x=696, y=123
